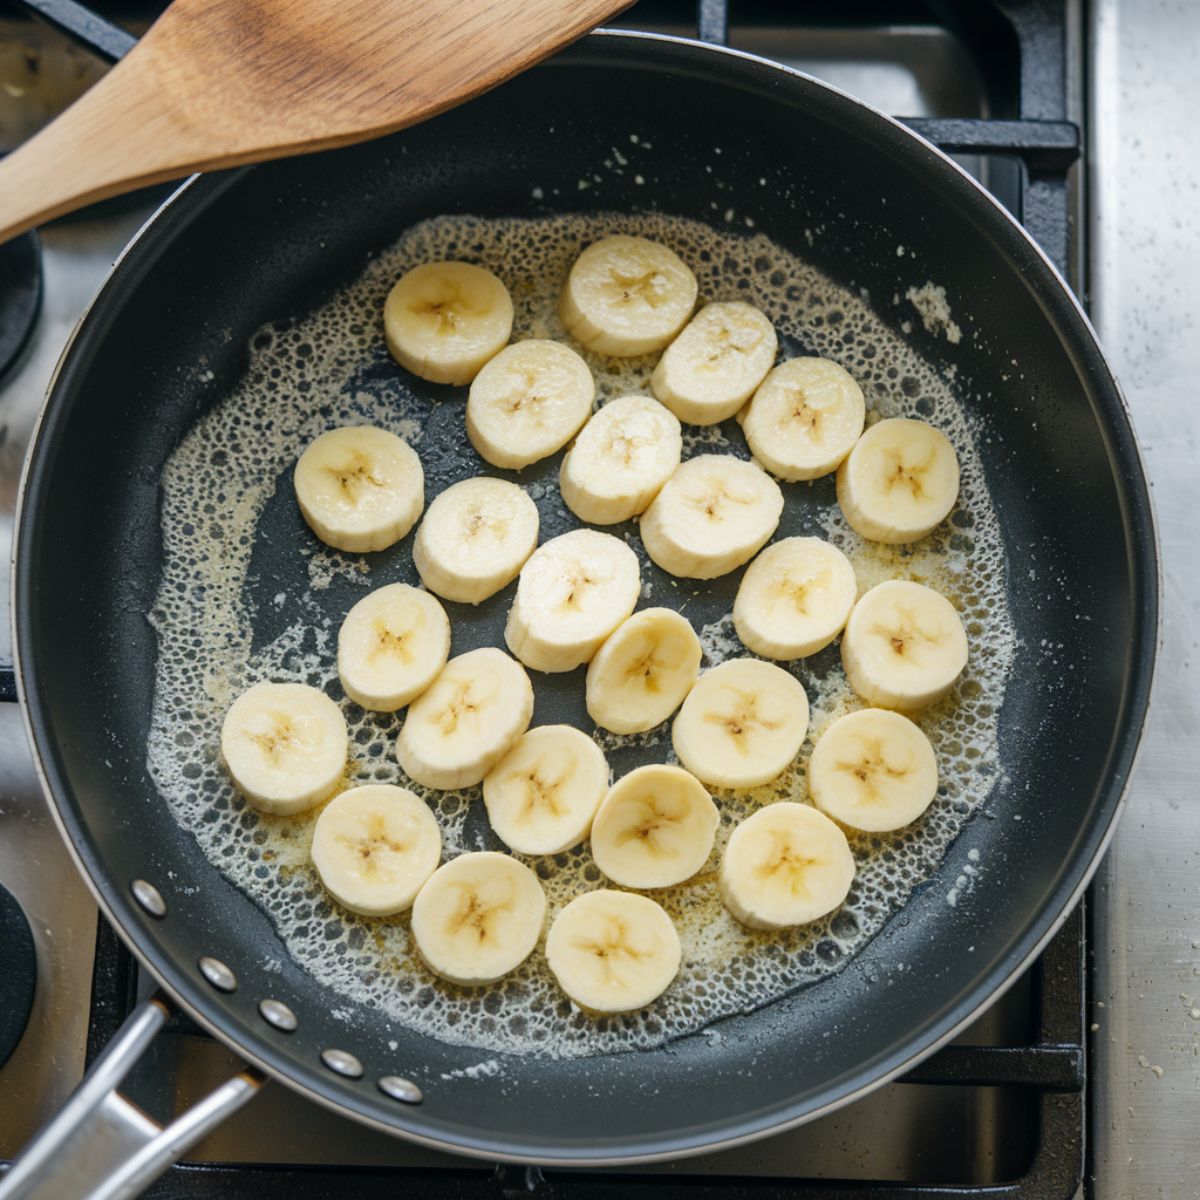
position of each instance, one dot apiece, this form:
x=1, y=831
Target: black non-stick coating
x=234, y=251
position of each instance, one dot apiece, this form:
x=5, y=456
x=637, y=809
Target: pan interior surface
x=842, y=189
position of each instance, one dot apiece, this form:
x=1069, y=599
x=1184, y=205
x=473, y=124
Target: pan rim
x=1127, y=740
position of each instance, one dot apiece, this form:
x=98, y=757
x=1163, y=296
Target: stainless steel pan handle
x=103, y=1147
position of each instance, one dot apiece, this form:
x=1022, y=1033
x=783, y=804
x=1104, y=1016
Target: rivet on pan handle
x=102, y=1147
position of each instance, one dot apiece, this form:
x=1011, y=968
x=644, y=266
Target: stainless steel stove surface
x=1000, y=1115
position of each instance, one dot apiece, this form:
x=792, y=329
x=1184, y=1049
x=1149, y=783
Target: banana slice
x=655, y=828
x=527, y=402
x=627, y=296
x=899, y=482
x=467, y=720
x=804, y=418
x=873, y=770
x=620, y=460
x=794, y=598
x=786, y=864
x=444, y=320
x=904, y=646
x=285, y=745
x=742, y=724
x=542, y=795
x=711, y=369
x=712, y=515
x=391, y=647
x=613, y=952
x=573, y=592
x=478, y=917
x=360, y=488
x=475, y=538
x=374, y=847
x=641, y=674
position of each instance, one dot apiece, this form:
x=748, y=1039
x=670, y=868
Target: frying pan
x=230, y=252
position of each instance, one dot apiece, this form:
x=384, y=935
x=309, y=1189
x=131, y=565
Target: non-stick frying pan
x=232, y=252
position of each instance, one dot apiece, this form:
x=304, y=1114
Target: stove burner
x=20, y=294
x=18, y=975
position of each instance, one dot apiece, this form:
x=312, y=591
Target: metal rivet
x=218, y=974
x=400, y=1089
x=343, y=1062
x=276, y=1013
x=149, y=897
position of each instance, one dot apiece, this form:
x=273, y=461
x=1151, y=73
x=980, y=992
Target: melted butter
x=221, y=477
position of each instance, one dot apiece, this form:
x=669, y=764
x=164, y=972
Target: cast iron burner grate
x=1028, y=39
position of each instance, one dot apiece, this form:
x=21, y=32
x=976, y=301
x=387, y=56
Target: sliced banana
x=899, y=482
x=786, y=864
x=444, y=320
x=712, y=515
x=285, y=745
x=478, y=917
x=374, y=847
x=573, y=592
x=873, y=770
x=655, y=828
x=467, y=720
x=542, y=795
x=904, y=646
x=391, y=647
x=613, y=952
x=805, y=418
x=794, y=598
x=360, y=488
x=711, y=369
x=528, y=402
x=475, y=538
x=626, y=296
x=641, y=674
x=742, y=724
x=620, y=460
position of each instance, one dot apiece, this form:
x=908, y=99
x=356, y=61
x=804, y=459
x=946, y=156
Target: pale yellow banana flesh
x=572, y=593
x=626, y=296
x=620, y=460
x=805, y=418
x=360, y=488
x=711, y=369
x=873, y=770
x=285, y=745
x=466, y=721
x=904, y=646
x=655, y=828
x=444, y=320
x=391, y=647
x=542, y=795
x=785, y=865
x=475, y=538
x=794, y=598
x=742, y=724
x=374, y=847
x=478, y=917
x=642, y=673
x=613, y=951
x=528, y=402
x=714, y=514
x=899, y=482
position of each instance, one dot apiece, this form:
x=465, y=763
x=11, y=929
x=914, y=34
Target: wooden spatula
x=216, y=83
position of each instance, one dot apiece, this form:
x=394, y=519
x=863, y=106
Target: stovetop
x=1001, y=86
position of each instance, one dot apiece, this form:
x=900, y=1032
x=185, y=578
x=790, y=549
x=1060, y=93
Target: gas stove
x=1022, y=1104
